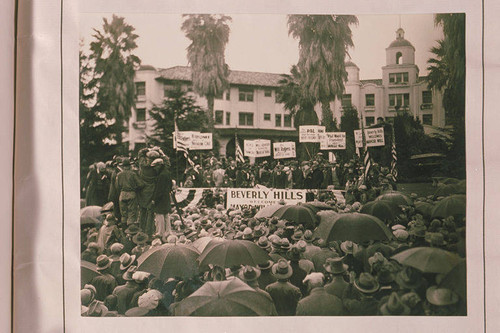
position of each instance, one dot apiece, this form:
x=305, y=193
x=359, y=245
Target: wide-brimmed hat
x=348, y=247
x=409, y=278
x=132, y=229
x=247, y=233
x=308, y=236
x=249, y=273
x=366, y=283
x=285, y=244
x=219, y=224
x=260, y=231
x=116, y=248
x=394, y=307
x=297, y=235
x=263, y=243
x=275, y=241
x=127, y=276
x=103, y=262
x=301, y=245
x=282, y=270
x=398, y=226
x=267, y=265
x=335, y=266
x=141, y=277
x=441, y=296
x=401, y=234
x=126, y=260
x=140, y=238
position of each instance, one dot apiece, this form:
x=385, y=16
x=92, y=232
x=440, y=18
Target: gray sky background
x=260, y=42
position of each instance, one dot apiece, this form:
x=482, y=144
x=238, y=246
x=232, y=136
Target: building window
x=427, y=97
x=346, y=101
x=219, y=115
x=370, y=99
x=140, y=88
x=267, y=117
x=246, y=94
x=167, y=88
x=398, y=78
x=277, y=120
x=268, y=92
x=369, y=121
x=140, y=115
x=228, y=118
x=287, y=120
x=399, y=58
x=246, y=119
x=399, y=99
x=427, y=119
x=228, y=95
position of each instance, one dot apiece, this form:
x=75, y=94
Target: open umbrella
x=88, y=221
x=450, y=206
x=355, y=227
x=225, y=298
x=298, y=214
x=383, y=209
x=428, y=259
x=233, y=253
x=456, y=279
x=92, y=211
x=268, y=211
x=203, y=242
x=446, y=190
x=424, y=208
x=170, y=260
x=88, y=271
x=396, y=197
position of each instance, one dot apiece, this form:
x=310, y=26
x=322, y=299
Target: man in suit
x=161, y=197
x=284, y=294
x=319, y=302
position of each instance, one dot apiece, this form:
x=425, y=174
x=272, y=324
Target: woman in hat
x=284, y=294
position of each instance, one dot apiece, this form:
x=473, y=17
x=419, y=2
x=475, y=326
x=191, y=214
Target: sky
x=260, y=42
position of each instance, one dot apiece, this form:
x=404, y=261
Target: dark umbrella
x=383, y=209
x=298, y=214
x=88, y=271
x=451, y=206
x=233, y=253
x=268, y=211
x=396, y=197
x=225, y=298
x=428, y=259
x=203, y=242
x=424, y=208
x=169, y=260
x=88, y=221
x=446, y=190
x=456, y=279
x=355, y=227
x=318, y=205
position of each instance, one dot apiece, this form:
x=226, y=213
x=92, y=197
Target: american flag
x=394, y=170
x=367, y=163
x=238, y=152
x=182, y=145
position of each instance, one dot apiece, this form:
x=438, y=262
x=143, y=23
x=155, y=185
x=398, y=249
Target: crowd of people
x=304, y=275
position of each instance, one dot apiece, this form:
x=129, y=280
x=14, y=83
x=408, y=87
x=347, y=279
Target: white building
x=249, y=107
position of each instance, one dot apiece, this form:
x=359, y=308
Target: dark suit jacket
x=285, y=297
x=161, y=195
x=320, y=303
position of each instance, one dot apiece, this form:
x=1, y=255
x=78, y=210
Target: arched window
x=399, y=58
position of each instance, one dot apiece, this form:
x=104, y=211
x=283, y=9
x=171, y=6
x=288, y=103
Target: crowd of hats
x=370, y=280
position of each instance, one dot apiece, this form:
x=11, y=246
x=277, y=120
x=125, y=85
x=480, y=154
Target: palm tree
x=324, y=41
x=209, y=35
x=114, y=70
x=291, y=94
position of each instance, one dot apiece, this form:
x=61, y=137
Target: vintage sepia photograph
x=272, y=165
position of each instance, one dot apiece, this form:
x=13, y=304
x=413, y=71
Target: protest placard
x=311, y=133
x=284, y=150
x=333, y=140
x=374, y=137
x=201, y=141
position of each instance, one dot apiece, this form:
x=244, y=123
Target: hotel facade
x=250, y=109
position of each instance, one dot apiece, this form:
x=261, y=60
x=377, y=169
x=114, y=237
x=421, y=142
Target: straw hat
x=282, y=270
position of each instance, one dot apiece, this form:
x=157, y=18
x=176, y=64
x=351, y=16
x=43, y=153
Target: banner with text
x=201, y=141
x=311, y=133
x=333, y=140
x=257, y=148
x=284, y=150
x=374, y=137
x=241, y=198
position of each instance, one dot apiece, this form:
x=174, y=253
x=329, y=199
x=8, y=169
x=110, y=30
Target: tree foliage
x=447, y=73
x=349, y=121
x=209, y=35
x=324, y=41
x=114, y=70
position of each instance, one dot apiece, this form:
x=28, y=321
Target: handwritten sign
x=284, y=150
x=201, y=141
x=311, y=133
x=257, y=148
x=374, y=137
x=333, y=140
